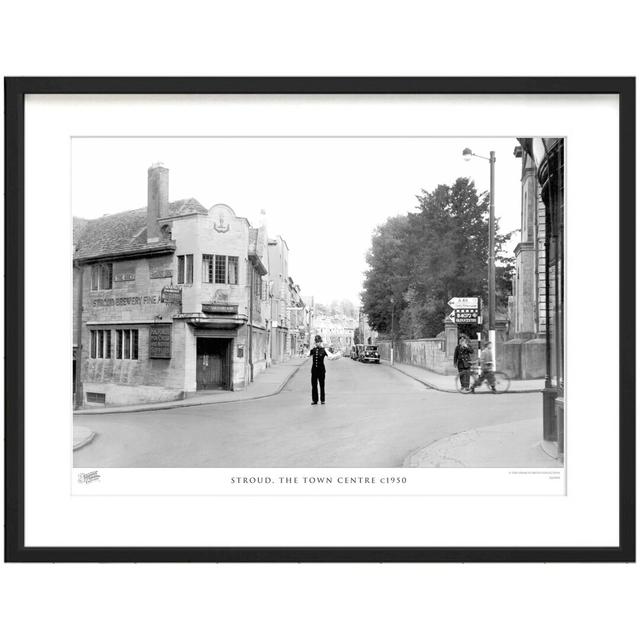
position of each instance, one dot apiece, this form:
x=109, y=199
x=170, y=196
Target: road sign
x=463, y=303
x=466, y=316
x=452, y=316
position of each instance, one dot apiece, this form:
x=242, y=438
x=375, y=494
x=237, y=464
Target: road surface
x=375, y=416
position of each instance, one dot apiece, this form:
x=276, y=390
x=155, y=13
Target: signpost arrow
x=463, y=303
x=466, y=316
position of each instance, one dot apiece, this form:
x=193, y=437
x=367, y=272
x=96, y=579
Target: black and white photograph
x=318, y=302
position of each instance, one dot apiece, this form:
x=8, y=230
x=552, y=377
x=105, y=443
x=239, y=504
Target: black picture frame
x=15, y=91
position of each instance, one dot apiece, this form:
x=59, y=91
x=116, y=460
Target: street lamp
x=393, y=307
x=467, y=154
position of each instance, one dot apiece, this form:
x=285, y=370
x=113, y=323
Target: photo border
x=15, y=91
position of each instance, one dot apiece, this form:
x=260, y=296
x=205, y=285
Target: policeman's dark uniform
x=318, y=354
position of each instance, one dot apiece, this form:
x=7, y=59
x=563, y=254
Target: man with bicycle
x=486, y=369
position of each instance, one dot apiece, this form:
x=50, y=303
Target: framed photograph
x=320, y=319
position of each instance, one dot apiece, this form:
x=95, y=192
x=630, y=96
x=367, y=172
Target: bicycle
x=501, y=379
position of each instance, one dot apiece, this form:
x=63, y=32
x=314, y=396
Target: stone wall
x=427, y=353
x=117, y=394
x=518, y=358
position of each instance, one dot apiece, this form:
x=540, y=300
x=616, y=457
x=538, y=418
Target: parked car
x=358, y=351
x=370, y=354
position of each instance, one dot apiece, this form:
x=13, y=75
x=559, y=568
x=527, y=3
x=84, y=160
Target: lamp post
x=393, y=306
x=467, y=154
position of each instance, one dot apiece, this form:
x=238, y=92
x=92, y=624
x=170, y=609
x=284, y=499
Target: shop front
x=219, y=350
x=213, y=364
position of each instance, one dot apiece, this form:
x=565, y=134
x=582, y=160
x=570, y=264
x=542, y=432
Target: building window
x=232, y=271
x=126, y=344
x=207, y=268
x=100, y=343
x=260, y=286
x=257, y=285
x=102, y=276
x=185, y=269
x=219, y=269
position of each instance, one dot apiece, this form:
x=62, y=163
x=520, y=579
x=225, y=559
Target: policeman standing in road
x=318, y=354
x=462, y=360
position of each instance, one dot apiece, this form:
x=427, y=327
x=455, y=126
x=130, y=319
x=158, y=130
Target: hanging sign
x=160, y=341
x=171, y=295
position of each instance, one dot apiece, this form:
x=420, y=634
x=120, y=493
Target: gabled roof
x=184, y=207
x=124, y=232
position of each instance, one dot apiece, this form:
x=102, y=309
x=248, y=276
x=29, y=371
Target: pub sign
x=160, y=341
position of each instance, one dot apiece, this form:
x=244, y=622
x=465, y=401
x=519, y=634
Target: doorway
x=213, y=370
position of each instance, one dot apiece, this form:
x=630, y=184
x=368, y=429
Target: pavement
x=81, y=436
x=267, y=383
x=514, y=444
x=447, y=384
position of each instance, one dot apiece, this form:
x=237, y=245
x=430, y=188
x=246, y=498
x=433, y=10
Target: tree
x=387, y=276
x=425, y=258
x=342, y=307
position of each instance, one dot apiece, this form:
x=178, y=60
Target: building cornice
x=132, y=253
x=523, y=246
x=195, y=214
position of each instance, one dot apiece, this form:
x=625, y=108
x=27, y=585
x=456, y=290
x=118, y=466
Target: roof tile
x=122, y=232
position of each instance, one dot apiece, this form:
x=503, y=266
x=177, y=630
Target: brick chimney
x=157, y=199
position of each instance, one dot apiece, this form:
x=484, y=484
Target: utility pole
x=393, y=331
x=492, y=240
x=467, y=154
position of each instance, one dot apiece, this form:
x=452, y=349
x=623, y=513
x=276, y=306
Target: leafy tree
x=338, y=308
x=425, y=258
x=388, y=276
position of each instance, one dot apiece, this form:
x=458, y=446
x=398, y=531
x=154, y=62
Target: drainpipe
x=79, y=390
x=251, y=324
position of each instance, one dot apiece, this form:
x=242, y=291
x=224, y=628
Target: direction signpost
x=466, y=316
x=465, y=310
x=464, y=303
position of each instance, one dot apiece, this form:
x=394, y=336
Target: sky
x=323, y=195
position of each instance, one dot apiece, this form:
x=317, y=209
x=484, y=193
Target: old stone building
x=169, y=299
x=529, y=297
x=548, y=158
x=296, y=319
x=523, y=355
x=278, y=266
